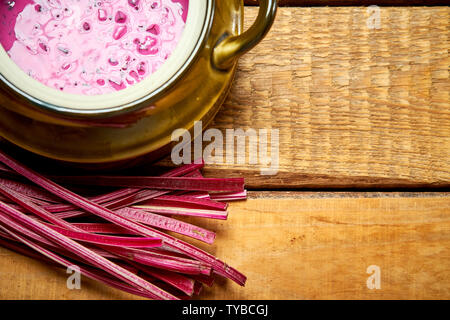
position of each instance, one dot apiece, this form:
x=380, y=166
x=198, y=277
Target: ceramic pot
x=139, y=120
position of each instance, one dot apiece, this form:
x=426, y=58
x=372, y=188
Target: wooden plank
x=397, y=3
x=300, y=246
x=356, y=107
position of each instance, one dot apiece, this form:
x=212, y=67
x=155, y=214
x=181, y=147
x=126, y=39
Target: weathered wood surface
x=306, y=3
x=356, y=107
x=299, y=246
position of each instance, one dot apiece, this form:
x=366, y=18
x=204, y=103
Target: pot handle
x=231, y=48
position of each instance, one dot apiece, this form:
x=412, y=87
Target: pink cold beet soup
x=91, y=47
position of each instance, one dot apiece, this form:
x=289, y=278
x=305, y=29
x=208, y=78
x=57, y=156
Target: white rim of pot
x=33, y=89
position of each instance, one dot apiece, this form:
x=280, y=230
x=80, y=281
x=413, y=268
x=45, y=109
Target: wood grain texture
x=299, y=247
x=355, y=107
x=307, y=3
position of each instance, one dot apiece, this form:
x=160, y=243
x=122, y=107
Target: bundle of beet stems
x=120, y=237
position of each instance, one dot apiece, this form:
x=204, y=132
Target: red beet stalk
x=103, y=228
x=159, y=183
x=88, y=272
x=161, y=222
x=176, y=280
x=188, y=193
x=161, y=261
x=28, y=205
x=29, y=191
x=183, y=201
x=211, y=214
x=120, y=194
x=128, y=242
x=232, y=196
x=85, y=253
x=169, y=224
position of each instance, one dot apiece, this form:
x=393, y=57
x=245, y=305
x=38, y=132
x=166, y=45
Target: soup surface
x=91, y=47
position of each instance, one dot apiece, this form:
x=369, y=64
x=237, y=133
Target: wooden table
x=364, y=122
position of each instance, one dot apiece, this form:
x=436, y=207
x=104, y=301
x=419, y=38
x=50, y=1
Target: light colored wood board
x=23, y=278
x=355, y=107
x=299, y=248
